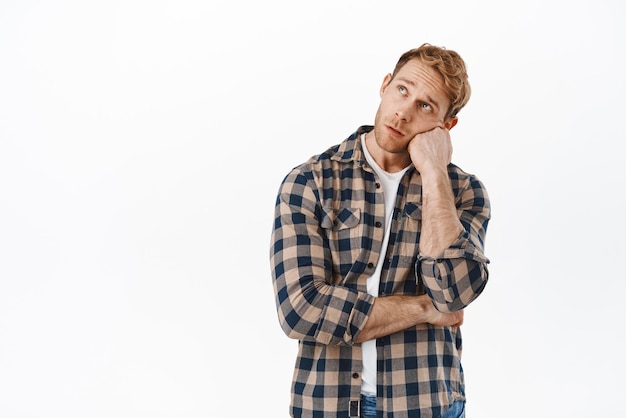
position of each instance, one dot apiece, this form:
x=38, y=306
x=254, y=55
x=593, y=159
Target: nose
x=403, y=113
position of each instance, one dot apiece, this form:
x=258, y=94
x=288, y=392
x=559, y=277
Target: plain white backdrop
x=142, y=144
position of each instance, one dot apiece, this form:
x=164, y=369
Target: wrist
x=433, y=174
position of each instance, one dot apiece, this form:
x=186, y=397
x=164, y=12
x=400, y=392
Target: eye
x=426, y=106
x=402, y=90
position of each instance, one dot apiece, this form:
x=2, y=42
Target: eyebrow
x=428, y=98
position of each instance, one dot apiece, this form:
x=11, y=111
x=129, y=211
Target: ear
x=386, y=82
x=451, y=122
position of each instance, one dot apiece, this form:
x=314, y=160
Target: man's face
x=414, y=101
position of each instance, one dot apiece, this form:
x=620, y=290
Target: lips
x=394, y=132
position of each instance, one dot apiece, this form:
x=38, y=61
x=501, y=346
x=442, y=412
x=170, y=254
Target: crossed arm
x=392, y=314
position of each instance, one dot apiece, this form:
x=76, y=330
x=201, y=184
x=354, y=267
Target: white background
x=142, y=144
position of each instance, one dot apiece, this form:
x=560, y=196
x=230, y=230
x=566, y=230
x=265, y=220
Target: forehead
x=423, y=77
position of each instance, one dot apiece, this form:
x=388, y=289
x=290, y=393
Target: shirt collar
x=351, y=149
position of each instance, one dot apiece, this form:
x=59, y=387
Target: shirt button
x=378, y=185
x=355, y=375
x=370, y=265
x=378, y=224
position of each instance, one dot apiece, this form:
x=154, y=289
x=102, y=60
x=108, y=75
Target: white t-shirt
x=389, y=183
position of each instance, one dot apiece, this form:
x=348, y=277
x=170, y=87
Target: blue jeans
x=368, y=408
x=457, y=410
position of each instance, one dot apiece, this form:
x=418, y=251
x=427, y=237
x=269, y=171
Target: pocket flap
x=413, y=210
x=341, y=218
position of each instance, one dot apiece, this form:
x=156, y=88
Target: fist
x=434, y=317
x=431, y=150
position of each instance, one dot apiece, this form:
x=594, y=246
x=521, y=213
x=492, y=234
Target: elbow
x=448, y=302
x=294, y=326
x=456, y=288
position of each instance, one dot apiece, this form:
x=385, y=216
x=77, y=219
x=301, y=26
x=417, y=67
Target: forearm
x=440, y=222
x=391, y=314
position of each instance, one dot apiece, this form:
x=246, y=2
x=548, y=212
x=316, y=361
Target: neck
x=388, y=161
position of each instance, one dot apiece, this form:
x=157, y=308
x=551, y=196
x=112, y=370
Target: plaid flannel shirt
x=326, y=241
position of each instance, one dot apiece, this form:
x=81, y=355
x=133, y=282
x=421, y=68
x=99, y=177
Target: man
x=377, y=247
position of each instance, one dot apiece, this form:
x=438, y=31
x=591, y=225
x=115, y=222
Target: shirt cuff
x=461, y=248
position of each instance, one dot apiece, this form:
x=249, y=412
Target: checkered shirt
x=326, y=241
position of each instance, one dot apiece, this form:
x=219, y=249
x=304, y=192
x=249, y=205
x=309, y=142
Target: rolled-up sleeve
x=309, y=306
x=459, y=275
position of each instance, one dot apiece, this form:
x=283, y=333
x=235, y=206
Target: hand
x=434, y=317
x=431, y=149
